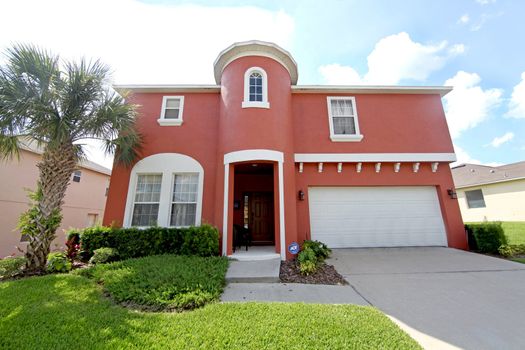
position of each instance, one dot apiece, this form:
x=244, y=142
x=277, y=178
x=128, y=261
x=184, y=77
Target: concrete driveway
x=444, y=297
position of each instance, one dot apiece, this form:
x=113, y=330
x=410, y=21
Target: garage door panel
x=376, y=216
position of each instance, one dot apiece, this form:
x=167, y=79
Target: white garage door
x=344, y=217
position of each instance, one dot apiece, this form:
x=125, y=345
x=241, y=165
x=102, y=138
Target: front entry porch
x=253, y=227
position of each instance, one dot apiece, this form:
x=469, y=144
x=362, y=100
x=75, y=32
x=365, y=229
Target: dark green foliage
x=312, y=254
x=307, y=261
x=104, y=255
x=57, y=262
x=134, y=243
x=511, y=250
x=320, y=249
x=488, y=236
x=11, y=266
x=162, y=282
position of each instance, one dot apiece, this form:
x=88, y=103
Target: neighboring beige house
x=488, y=193
x=84, y=202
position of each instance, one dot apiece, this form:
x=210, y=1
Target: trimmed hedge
x=487, y=237
x=134, y=243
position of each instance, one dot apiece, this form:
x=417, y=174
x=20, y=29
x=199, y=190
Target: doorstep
x=254, y=271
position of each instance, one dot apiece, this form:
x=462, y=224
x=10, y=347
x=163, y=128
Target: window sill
x=346, y=138
x=251, y=104
x=168, y=122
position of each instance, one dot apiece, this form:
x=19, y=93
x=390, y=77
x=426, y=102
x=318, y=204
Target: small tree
x=57, y=104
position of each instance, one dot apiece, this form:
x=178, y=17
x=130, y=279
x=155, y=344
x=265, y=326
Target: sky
x=473, y=45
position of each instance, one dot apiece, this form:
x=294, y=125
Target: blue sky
x=475, y=45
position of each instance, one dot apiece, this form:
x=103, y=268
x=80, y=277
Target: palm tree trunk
x=55, y=170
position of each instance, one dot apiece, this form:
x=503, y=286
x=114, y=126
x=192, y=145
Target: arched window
x=255, y=89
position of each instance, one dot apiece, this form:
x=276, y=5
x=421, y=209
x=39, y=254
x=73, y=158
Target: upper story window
x=343, y=120
x=475, y=199
x=255, y=89
x=77, y=175
x=171, y=112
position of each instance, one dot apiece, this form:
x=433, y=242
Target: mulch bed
x=325, y=274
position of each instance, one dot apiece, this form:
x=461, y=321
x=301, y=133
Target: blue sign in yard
x=293, y=248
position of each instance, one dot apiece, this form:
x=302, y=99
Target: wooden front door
x=261, y=221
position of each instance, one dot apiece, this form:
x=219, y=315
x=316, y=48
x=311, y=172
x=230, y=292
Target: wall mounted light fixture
x=452, y=193
x=300, y=195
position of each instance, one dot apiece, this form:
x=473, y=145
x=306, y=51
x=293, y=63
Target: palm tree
x=57, y=104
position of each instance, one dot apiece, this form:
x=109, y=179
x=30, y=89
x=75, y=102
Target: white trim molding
x=340, y=137
x=246, y=103
x=163, y=121
x=371, y=89
x=254, y=155
x=166, y=164
x=254, y=48
x=373, y=157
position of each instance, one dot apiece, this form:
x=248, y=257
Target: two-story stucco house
x=352, y=166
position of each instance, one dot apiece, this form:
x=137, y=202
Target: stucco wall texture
x=504, y=201
x=296, y=122
x=82, y=198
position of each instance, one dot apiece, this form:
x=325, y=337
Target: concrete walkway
x=292, y=292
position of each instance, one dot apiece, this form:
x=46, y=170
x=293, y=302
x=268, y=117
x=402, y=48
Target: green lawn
x=69, y=312
x=520, y=260
x=515, y=231
x=162, y=282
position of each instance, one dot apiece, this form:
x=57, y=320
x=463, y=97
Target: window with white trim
x=475, y=199
x=147, y=200
x=171, y=111
x=255, y=89
x=184, y=199
x=343, y=120
x=77, y=175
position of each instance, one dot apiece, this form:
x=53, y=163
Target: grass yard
x=515, y=231
x=520, y=260
x=70, y=312
x=162, y=282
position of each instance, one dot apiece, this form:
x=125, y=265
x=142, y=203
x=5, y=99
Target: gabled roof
x=32, y=146
x=467, y=175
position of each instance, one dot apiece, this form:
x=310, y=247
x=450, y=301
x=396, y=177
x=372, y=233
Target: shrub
x=307, y=261
x=104, y=255
x=12, y=266
x=57, y=262
x=511, y=250
x=488, y=236
x=72, y=244
x=162, y=282
x=320, y=249
x=134, y=243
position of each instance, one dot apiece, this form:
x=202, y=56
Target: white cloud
x=498, y=141
x=464, y=19
x=393, y=59
x=485, y=2
x=463, y=157
x=335, y=74
x=144, y=43
x=468, y=104
x=517, y=100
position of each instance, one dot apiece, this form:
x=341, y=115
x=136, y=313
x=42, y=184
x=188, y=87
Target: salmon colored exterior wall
x=82, y=198
x=215, y=124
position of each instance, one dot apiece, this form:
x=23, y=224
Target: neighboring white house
x=488, y=193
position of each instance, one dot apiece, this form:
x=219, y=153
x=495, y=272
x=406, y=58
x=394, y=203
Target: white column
x=281, y=211
x=225, y=212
